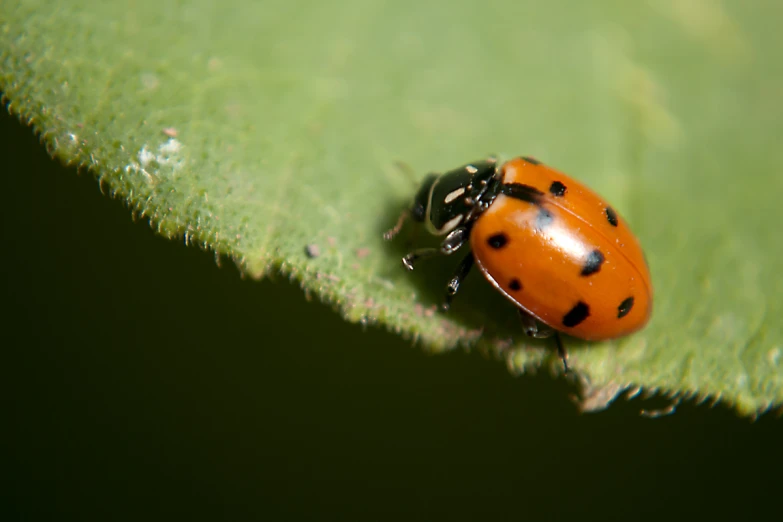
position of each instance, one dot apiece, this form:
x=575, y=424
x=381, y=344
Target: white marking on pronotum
x=454, y=194
x=450, y=225
x=471, y=169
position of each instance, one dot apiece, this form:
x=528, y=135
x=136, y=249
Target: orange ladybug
x=548, y=243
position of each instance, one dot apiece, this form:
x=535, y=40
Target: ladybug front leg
x=454, y=283
x=537, y=331
x=451, y=244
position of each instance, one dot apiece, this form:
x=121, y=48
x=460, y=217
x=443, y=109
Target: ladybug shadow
x=477, y=305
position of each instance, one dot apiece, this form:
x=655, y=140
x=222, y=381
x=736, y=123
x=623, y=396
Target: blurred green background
x=141, y=381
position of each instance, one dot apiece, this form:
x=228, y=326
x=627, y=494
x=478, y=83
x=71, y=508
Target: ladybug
x=548, y=243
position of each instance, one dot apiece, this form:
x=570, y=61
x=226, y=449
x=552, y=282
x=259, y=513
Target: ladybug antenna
x=407, y=171
x=389, y=234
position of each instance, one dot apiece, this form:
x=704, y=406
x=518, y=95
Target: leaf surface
x=270, y=132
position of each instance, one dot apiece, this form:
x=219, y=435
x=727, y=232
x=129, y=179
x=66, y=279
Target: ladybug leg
x=561, y=352
x=531, y=327
x=459, y=275
x=536, y=331
x=451, y=244
x=417, y=255
x=454, y=241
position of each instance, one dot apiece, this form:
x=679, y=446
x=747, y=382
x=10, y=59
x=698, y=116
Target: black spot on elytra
x=576, y=315
x=611, y=216
x=625, y=307
x=522, y=192
x=498, y=240
x=544, y=218
x=515, y=285
x=534, y=161
x=557, y=189
x=593, y=263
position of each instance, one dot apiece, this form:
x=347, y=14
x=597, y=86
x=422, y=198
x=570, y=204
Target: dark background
x=142, y=381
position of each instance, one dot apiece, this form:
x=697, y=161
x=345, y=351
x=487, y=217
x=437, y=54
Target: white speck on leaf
x=145, y=156
x=167, y=161
x=172, y=146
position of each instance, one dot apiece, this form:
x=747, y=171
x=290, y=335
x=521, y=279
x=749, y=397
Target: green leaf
x=270, y=132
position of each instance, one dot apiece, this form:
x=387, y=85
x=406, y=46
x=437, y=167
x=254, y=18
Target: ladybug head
x=455, y=198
